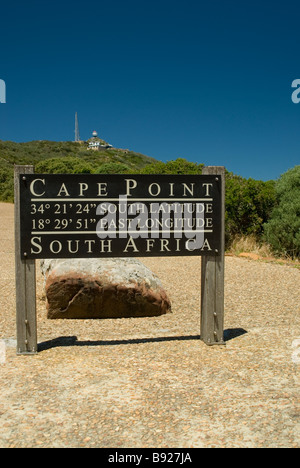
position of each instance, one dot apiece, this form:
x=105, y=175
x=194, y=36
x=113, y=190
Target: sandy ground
x=151, y=382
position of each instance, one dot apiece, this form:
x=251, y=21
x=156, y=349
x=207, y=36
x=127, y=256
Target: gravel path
x=151, y=382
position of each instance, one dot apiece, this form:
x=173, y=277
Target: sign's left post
x=25, y=279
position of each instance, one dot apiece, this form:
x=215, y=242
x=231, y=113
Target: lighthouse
x=95, y=143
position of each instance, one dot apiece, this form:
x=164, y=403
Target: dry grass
x=248, y=246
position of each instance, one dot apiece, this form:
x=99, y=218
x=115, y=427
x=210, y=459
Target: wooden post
x=25, y=282
x=212, y=279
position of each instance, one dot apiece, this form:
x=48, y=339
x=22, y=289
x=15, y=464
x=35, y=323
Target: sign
x=66, y=216
x=88, y=215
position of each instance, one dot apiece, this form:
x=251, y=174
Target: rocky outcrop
x=102, y=288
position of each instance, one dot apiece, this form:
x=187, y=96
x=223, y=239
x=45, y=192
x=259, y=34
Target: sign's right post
x=212, y=279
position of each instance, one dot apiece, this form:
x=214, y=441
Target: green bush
x=6, y=185
x=282, y=231
x=112, y=168
x=179, y=166
x=67, y=165
x=249, y=204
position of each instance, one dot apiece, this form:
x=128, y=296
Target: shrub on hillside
x=112, y=168
x=67, y=165
x=249, y=204
x=6, y=185
x=282, y=231
x=179, y=166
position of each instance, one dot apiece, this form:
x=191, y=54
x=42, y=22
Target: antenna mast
x=77, y=137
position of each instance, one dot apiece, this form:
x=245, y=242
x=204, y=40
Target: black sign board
x=88, y=215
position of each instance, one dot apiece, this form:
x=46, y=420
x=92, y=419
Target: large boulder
x=102, y=288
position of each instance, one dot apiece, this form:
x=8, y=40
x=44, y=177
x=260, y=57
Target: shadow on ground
x=65, y=341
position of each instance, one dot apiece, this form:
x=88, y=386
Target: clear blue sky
x=209, y=81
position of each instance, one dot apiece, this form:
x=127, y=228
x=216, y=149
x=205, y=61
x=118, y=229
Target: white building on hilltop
x=96, y=143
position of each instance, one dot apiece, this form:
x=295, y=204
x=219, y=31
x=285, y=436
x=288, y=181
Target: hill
x=253, y=208
x=55, y=157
